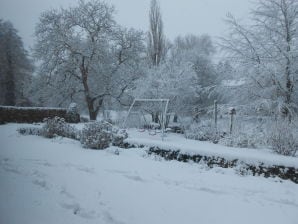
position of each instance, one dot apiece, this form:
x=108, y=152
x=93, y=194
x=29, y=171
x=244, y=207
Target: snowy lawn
x=56, y=181
x=204, y=148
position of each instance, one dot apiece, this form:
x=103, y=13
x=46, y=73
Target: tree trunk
x=156, y=117
x=175, y=119
x=92, y=115
x=91, y=109
x=168, y=117
x=90, y=101
x=288, y=94
x=289, y=82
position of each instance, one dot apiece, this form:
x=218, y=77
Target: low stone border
x=283, y=172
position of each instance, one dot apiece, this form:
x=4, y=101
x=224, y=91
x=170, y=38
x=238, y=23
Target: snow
x=57, y=181
x=233, y=83
x=193, y=147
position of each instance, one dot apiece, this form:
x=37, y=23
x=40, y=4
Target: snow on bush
x=29, y=131
x=248, y=132
x=119, y=135
x=100, y=135
x=58, y=127
x=202, y=131
x=243, y=140
x=282, y=138
x=96, y=135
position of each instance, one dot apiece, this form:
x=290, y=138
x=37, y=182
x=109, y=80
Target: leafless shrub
x=282, y=138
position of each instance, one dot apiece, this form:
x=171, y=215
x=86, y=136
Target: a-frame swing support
x=163, y=125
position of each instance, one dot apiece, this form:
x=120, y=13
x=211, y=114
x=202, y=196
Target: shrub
x=58, y=127
x=202, y=131
x=100, y=135
x=30, y=131
x=241, y=140
x=282, y=138
x=119, y=135
x=96, y=135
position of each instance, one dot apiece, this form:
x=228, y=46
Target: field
x=57, y=181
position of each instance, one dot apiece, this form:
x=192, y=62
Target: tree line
x=83, y=55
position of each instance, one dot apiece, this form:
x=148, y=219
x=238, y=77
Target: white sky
x=180, y=17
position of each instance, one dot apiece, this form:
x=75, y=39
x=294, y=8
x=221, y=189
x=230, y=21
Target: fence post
x=232, y=112
x=215, y=115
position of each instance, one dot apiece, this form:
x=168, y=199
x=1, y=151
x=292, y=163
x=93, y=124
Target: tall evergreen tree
x=15, y=67
x=156, y=38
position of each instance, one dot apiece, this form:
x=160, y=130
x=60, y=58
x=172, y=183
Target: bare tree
x=85, y=43
x=156, y=38
x=269, y=49
x=186, y=76
x=196, y=52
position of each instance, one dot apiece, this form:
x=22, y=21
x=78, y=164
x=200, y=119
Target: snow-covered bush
x=242, y=140
x=119, y=135
x=96, y=135
x=58, y=127
x=100, y=135
x=29, y=131
x=202, y=131
x=246, y=134
x=283, y=138
x=72, y=114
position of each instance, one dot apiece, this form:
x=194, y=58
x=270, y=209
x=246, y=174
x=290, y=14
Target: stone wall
x=261, y=169
x=29, y=114
x=283, y=172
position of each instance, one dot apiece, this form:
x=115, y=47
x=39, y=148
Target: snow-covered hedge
x=283, y=138
x=244, y=140
x=278, y=135
x=52, y=127
x=249, y=132
x=243, y=168
x=32, y=114
x=58, y=127
x=202, y=131
x=95, y=135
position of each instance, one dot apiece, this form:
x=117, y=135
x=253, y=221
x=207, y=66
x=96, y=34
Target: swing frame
x=150, y=100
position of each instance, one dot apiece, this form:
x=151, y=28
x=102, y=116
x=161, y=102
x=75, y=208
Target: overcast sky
x=180, y=16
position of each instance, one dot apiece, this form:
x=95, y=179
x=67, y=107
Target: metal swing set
x=164, y=113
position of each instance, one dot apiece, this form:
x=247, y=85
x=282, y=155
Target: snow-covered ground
x=57, y=181
x=192, y=147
